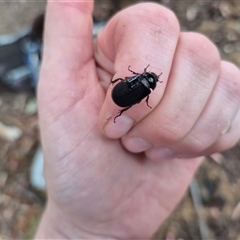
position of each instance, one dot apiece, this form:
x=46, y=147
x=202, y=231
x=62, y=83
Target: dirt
x=216, y=216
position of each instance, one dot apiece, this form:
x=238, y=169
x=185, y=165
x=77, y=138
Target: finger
x=193, y=76
x=67, y=46
x=227, y=140
x=215, y=120
x=67, y=49
x=68, y=33
x=148, y=37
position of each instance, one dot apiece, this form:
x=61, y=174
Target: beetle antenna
x=145, y=69
x=159, y=74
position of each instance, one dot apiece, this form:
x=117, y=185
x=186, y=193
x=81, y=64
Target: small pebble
x=229, y=48
x=191, y=13
x=9, y=133
x=31, y=107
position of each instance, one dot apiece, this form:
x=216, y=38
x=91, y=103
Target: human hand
x=100, y=182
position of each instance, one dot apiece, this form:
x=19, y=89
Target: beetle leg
x=145, y=69
x=132, y=70
x=159, y=74
x=115, y=80
x=147, y=102
x=120, y=113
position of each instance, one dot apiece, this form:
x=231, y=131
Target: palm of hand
x=94, y=179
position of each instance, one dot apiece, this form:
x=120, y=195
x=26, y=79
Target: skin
x=122, y=180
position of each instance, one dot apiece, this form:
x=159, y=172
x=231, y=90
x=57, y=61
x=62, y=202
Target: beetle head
x=152, y=79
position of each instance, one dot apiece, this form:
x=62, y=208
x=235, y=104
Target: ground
x=211, y=206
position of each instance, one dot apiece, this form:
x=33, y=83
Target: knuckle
x=233, y=142
x=223, y=144
x=151, y=17
x=200, y=52
x=197, y=144
x=170, y=132
x=229, y=80
x=155, y=11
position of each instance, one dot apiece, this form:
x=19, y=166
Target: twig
x=197, y=202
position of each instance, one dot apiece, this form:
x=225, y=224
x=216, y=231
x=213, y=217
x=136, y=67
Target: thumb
x=67, y=46
x=67, y=71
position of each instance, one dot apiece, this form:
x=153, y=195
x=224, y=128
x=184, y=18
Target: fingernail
x=118, y=128
x=226, y=128
x=136, y=145
x=160, y=153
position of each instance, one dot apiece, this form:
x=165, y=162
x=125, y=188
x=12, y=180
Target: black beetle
x=133, y=90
